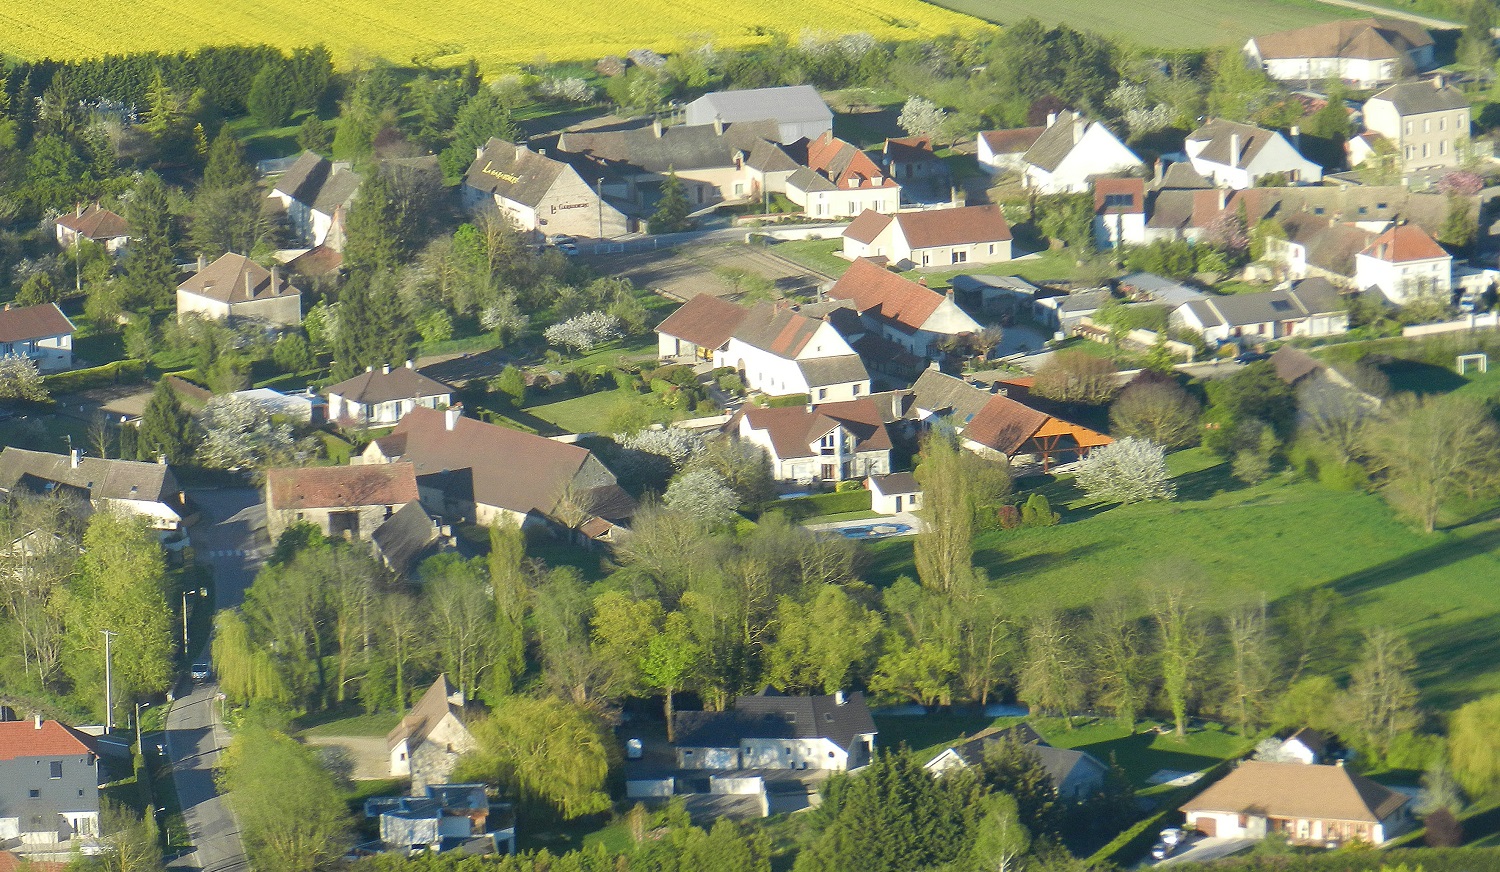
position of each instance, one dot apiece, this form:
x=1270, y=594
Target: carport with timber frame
x=1057, y=436
x=1012, y=428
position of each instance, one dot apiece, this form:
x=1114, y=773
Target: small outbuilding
x=894, y=493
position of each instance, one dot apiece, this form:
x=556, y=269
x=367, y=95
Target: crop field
x=497, y=35
x=1163, y=23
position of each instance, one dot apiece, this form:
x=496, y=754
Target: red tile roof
x=910, y=149
x=342, y=487
x=22, y=739
x=1133, y=188
x=12, y=862
x=842, y=163
x=1007, y=425
x=33, y=322
x=1403, y=244
x=705, y=321
x=95, y=223
x=890, y=296
x=963, y=226
x=867, y=225
x=1012, y=141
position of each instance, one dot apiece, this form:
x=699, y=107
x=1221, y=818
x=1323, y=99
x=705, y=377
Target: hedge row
x=96, y=377
x=799, y=508
x=1127, y=849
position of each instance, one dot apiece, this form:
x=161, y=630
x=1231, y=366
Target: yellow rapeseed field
x=497, y=34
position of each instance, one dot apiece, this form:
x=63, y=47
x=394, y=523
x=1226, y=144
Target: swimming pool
x=874, y=531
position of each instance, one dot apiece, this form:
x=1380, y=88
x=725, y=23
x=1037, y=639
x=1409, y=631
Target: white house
x=902, y=311
x=774, y=731
x=777, y=349
x=829, y=442
x=1309, y=307
x=317, y=194
x=1237, y=156
x=841, y=181
x=798, y=110
x=894, y=493
x=146, y=489
x=1119, y=212
x=96, y=224
x=1365, y=52
x=235, y=288
x=427, y=743
x=931, y=237
x=541, y=195
x=1310, y=805
x=42, y=333
x=1076, y=775
x=1072, y=152
x=1405, y=264
x=1306, y=746
x=1005, y=150
x=1426, y=122
x=379, y=399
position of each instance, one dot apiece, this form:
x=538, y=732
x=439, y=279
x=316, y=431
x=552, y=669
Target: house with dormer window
x=828, y=442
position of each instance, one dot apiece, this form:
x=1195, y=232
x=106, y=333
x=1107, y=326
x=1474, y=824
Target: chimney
x=718, y=125
x=1223, y=199
x=37, y=719
x=201, y=263
x=161, y=459
x=1234, y=150
x=1297, y=139
x=478, y=152
x=1437, y=82
x=950, y=293
x=369, y=369
x=411, y=364
x=274, y=278
x=1161, y=170
x=452, y=414
x=838, y=697
x=922, y=280
x=249, y=288
x=520, y=150
x=385, y=369
x=1078, y=129
x=77, y=210
x=73, y=458
x=656, y=127
x=1051, y=118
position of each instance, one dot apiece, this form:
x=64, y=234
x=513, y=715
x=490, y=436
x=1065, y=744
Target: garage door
x=1207, y=826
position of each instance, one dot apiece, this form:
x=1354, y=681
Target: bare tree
x=1052, y=678
x=1381, y=700
x=1076, y=377
x=1250, y=675
x=1157, y=411
x=1119, y=664
x=1428, y=450
x=1336, y=415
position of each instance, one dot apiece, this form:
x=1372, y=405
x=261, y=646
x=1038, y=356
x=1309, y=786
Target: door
x=1207, y=826
x=830, y=471
x=898, y=504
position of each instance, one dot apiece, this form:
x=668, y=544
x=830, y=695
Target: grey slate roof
x=95, y=476
x=1181, y=176
x=1015, y=284
x=824, y=371
x=1057, y=141
x=314, y=181
x=404, y=535
x=896, y=483
x=772, y=715
x=1418, y=98
x=676, y=148
x=788, y=104
x=1160, y=289
x=375, y=386
x=937, y=392
x=514, y=172
x=805, y=179
x=1218, y=135
x=1240, y=310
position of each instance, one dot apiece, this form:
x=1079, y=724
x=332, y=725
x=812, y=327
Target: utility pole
x=202, y=591
x=109, y=691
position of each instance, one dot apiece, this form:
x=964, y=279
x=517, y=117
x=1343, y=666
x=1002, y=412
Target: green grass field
x=1236, y=544
x=1163, y=23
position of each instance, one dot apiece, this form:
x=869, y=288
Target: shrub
x=731, y=383
x=118, y=372
x=849, y=485
x=1128, y=471
x=1037, y=512
x=788, y=400
x=1009, y=517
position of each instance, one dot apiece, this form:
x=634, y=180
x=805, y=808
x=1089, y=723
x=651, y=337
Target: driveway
x=1204, y=850
x=231, y=538
x=194, y=739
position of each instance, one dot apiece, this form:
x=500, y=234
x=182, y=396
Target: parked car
x=1161, y=851
x=1252, y=357
x=201, y=671
x=1172, y=836
x=568, y=248
x=561, y=239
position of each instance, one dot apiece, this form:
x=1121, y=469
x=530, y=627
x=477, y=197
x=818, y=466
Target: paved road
x=230, y=538
x=194, y=739
x=1388, y=12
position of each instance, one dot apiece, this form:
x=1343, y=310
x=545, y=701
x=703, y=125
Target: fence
x=1488, y=320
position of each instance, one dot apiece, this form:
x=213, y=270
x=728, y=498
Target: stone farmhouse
x=543, y=196
x=426, y=745
x=1365, y=52
x=1426, y=122
x=146, y=489
x=316, y=195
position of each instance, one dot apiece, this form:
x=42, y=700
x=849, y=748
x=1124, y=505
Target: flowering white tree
x=1272, y=750
x=1127, y=471
x=239, y=433
x=19, y=379
x=672, y=443
x=572, y=89
x=584, y=332
x=921, y=117
x=702, y=494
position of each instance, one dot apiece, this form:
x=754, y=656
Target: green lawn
x=1163, y=23
x=598, y=412
x=359, y=724
x=1239, y=544
x=818, y=255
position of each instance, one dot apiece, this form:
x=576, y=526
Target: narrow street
x=230, y=538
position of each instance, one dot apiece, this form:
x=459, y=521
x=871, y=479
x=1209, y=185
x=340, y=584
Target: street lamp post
x=138, y=707
x=109, y=692
x=599, y=195
x=202, y=591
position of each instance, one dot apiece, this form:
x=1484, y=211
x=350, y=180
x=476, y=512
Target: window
x=1318, y=210
x=1380, y=205
x=56, y=767
x=1363, y=210
x=856, y=390
x=1408, y=128
x=1443, y=147
x=35, y=793
x=822, y=393
x=1426, y=125
x=1442, y=124
x=960, y=256
x=1426, y=149
x=992, y=248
